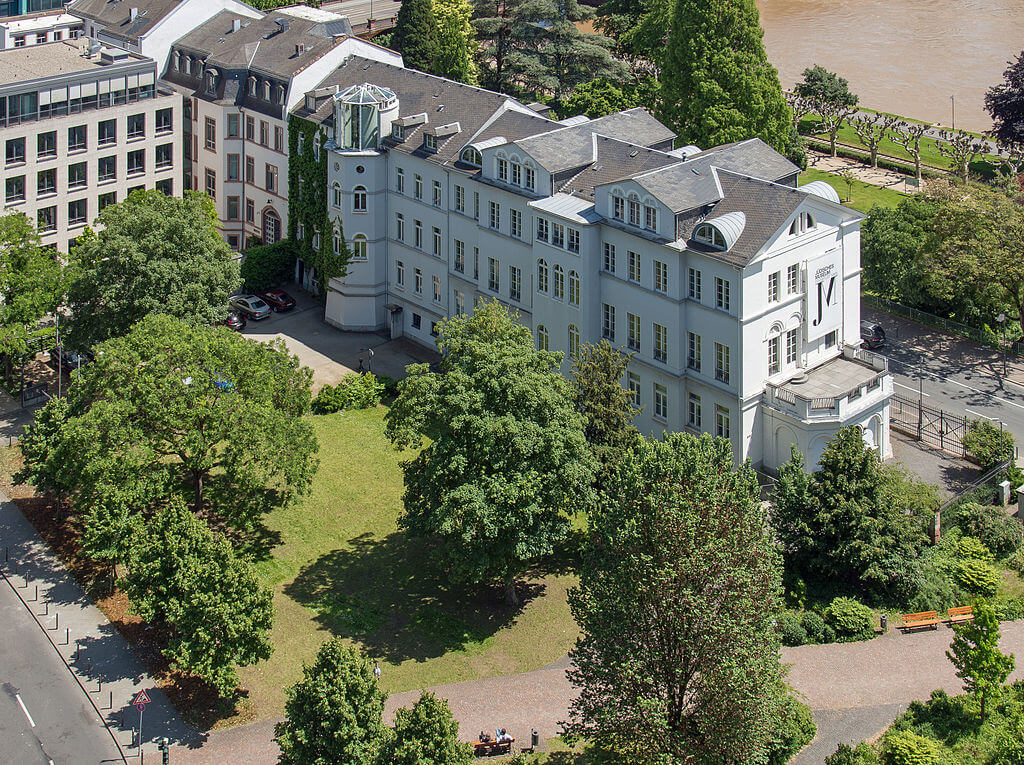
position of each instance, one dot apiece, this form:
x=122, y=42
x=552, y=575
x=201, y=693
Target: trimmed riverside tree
x=506, y=459
x=334, y=714
x=717, y=85
x=427, y=734
x=830, y=96
x=415, y=34
x=678, y=659
x=975, y=654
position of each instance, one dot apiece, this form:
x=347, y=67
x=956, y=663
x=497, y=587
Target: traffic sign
x=140, y=699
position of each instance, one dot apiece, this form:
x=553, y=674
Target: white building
x=38, y=29
x=91, y=129
x=736, y=292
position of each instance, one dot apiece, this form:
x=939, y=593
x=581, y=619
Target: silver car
x=251, y=306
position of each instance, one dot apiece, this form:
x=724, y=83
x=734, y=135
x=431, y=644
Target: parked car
x=235, y=320
x=872, y=334
x=73, y=359
x=279, y=300
x=250, y=305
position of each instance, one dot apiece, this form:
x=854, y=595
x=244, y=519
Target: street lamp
x=952, y=112
x=1001, y=318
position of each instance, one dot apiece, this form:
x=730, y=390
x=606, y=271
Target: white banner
x=824, y=280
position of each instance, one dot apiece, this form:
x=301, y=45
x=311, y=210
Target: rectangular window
x=517, y=174
x=233, y=125
x=46, y=144
x=250, y=129
x=436, y=245
x=773, y=287
x=634, y=213
x=400, y=227
x=233, y=167
x=417, y=234
x=476, y=263
x=633, y=382
x=46, y=219
x=721, y=421
x=791, y=346
x=633, y=337
x=634, y=266
x=77, y=138
x=233, y=208
x=476, y=205
x=531, y=179
x=502, y=170
x=417, y=276
x=460, y=256
x=608, y=321
x=417, y=186
x=515, y=223
x=437, y=288
x=430, y=141
x=723, y=362
x=660, y=342
x=77, y=212
x=78, y=175
x=165, y=155
x=660, y=401
x=136, y=162
x=830, y=339
x=543, y=229
x=136, y=125
x=494, y=217
x=722, y=300
x=105, y=200
x=210, y=141
x=618, y=208
x=660, y=276
x=15, y=150
x=399, y=273
x=107, y=132
x=250, y=211
x=774, y=365
x=609, y=258
x=417, y=321
x=693, y=284
x=557, y=235
x=460, y=303
x=793, y=279
x=437, y=193
x=271, y=178
x=515, y=283
x=264, y=133
x=211, y=183
x=278, y=138
x=574, y=240
x=460, y=199
x=650, y=218
x=106, y=168
x=250, y=170
x=493, y=277
x=693, y=413
x=693, y=351
x=400, y=180
x=19, y=41
x=15, y=189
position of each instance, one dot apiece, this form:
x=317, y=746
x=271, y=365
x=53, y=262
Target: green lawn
x=343, y=567
x=864, y=195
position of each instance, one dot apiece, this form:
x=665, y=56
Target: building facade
x=735, y=291
x=84, y=135
x=38, y=29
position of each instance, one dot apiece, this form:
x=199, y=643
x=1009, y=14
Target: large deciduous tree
x=717, y=83
x=428, y=734
x=678, y=660
x=415, y=34
x=831, y=98
x=600, y=97
x=175, y=408
x=155, y=254
x=456, y=41
x=187, y=579
x=894, y=241
x=506, y=459
x=334, y=714
x=975, y=654
x=1005, y=104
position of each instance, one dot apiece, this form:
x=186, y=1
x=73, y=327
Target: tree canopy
x=830, y=96
x=678, y=659
x=506, y=459
x=456, y=41
x=415, y=34
x=975, y=654
x=600, y=97
x=1004, y=103
x=175, y=408
x=717, y=84
x=427, y=734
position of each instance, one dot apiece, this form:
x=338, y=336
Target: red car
x=279, y=300
x=235, y=320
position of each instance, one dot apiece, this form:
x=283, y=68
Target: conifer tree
x=415, y=35
x=717, y=83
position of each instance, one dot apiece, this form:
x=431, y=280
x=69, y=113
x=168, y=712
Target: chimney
x=282, y=24
x=236, y=24
x=133, y=13
x=300, y=48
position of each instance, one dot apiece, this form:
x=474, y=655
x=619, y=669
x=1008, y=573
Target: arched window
x=803, y=222
x=708, y=234
x=542, y=275
x=574, y=288
x=336, y=193
x=359, y=199
x=337, y=243
x=794, y=227
x=543, y=341
x=574, y=341
x=359, y=247
x=559, y=291
x=472, y=157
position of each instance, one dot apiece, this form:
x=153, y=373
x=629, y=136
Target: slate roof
x=116, y=16
x=614, y=160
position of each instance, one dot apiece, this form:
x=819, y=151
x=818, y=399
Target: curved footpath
x=855, y=690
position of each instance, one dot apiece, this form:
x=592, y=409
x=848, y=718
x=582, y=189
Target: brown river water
x=901, y=56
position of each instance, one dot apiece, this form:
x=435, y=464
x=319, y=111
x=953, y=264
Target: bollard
x=46, y=609
x=110, y=701
x=88, y=664
x=67, y=636
x=884, y=621
x=78, y=649
x=37, y=592
x=56, y=621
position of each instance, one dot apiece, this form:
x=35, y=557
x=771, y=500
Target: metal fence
x=928, y=424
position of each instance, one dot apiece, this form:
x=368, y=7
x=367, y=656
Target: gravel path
x=855, y=690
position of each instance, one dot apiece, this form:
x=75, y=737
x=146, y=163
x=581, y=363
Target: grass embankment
x=343, y=567
x=863, y=196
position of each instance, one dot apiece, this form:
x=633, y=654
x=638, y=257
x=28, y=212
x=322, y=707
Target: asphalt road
x=45, y=718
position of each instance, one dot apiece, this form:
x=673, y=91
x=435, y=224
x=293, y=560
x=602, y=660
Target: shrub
x=904, y=747
x=972, y=548
x=850, y=620
x=266, y=266
x=848, y=755
x=1010, y=610
x=828, y=635
x=813, y=625
x=355, y=391
x=796, y=729
x=986, y=444
x=390, y=385
x=1016, y=561
x=976, y=576
x=790, y=630
x=1000, y=533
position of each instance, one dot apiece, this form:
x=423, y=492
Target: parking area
x=330, y=352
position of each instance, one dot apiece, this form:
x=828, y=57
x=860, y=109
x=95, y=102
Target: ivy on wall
x=307, y=204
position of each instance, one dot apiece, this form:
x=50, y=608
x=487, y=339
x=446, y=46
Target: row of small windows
x=558, y=235
x=558, y=282
x=634, y=213
x=516, y=174
x=194, y=66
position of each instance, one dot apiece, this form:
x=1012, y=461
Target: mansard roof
x=116, y=17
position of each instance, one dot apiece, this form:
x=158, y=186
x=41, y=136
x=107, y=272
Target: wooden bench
x=921, y=620
x=492, y=747
x=960, y=614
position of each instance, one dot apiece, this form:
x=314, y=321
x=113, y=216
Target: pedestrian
x=361, y=370
x=376, y=669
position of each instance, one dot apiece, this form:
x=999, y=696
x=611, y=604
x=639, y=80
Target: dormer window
x=618, y=208
x=634, y=212
x=802, y=223
x=279, y=94
x=471, y=156
x=531, y=179
x=517, y=174
x=186, y=65
x=176, y=59
x=398, y=132
x=430, y=141
x=707, y=234
x=211, y=81
x=252, y=87
x=266, y=91
x=650, y=218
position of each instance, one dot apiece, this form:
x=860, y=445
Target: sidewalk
x=100, y=659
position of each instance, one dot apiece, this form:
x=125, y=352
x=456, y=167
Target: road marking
x=979, y=414
x=986, y=393
x=916, y=390
x=25, y=710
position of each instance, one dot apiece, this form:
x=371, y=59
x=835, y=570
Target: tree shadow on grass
x=392, y=596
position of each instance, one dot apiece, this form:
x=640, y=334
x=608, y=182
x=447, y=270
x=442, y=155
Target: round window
x=360, y=169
